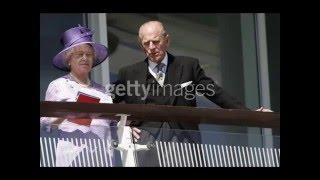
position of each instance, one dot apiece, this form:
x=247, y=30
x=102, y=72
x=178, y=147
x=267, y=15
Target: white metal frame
x=98, y=22
x=264, y=88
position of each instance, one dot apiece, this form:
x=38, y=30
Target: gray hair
x=162, y=29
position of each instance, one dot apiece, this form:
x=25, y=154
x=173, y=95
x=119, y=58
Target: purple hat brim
x=100, y=50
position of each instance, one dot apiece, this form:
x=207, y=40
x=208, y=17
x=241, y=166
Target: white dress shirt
x=153, y=69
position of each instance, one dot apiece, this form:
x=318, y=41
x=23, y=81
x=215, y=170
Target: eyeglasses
x=79, y=54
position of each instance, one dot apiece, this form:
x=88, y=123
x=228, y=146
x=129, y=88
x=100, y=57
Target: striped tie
x=160, y=71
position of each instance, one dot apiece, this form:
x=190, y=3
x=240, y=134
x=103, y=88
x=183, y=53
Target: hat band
x=79, y=37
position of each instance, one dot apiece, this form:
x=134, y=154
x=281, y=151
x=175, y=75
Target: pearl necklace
x=79, y=82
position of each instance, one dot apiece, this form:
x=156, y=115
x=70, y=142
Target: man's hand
x=135, y=133
x=262, y=109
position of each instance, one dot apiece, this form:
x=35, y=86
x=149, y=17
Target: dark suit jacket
x=180, y=69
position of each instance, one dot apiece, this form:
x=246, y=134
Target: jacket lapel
x=173, y=76
x=140, y=74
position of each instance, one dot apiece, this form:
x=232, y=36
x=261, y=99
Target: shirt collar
x=152, y=65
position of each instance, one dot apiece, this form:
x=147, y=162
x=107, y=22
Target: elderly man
x=165, y=79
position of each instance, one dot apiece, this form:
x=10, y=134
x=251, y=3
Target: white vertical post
x=191, y=156
x=91, y=153
x=46, y=150
x=264, y=158
x=126, y=145
x=195, y=154
x=271, y=155
x=174, y=154
x=276, y=157
x=220, y=159
x=215, y=155
x=260, y=158
x=158, y=152
x=178, y=152
x=203, y=156
x=212, y=159
x=104, y=146
x=98, y=23
x=256, y=156
x=235, y=155
x=244, y=157
x=96, y=152
x=187, y=157
x=248, y=156
x=162, y=152
x=167, y=154
x=206, y=148
x=252, y=158
x=240, y=157
x=231, y=156
x=227, y=154
x=87, y=151
x=78, y=143
x=100, y=152
x=42, y=153
x=55, y=147
x=262, y=52
x=250, y=71
x=170, y=153
x=224, y=158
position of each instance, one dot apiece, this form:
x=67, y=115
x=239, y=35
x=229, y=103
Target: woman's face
x=81, y=59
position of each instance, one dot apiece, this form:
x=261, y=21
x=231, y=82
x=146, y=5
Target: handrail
x=143, y=112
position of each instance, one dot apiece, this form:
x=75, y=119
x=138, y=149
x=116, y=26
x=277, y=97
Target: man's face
x=154, y=43
x=81, y=59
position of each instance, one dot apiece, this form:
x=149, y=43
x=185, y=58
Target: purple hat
x=76, y=36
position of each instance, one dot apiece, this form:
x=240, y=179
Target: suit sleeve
x=119, y=90
x=213, y=91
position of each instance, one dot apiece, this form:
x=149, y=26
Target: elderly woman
x=79, y=56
